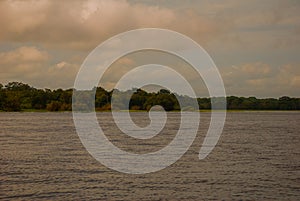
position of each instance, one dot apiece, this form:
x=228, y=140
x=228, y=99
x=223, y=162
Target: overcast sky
x=255, y=44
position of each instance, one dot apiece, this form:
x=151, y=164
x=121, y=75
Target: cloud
x=255, y=70
x=60, y=75
x=26, y=59
x=261, y=80
x=44, y=42
x=289, y=75
x=32, y=65
x=24, y=54
x=84, y=24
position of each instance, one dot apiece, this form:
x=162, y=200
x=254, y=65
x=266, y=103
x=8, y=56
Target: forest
x=17, y=96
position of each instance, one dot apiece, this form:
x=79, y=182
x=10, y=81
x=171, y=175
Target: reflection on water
x=257, y=158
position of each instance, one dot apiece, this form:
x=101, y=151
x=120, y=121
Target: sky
x=255, y=44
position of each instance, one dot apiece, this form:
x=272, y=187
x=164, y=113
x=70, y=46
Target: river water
x=256, y=158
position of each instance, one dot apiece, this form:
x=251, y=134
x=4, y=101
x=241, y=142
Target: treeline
x=16, y=96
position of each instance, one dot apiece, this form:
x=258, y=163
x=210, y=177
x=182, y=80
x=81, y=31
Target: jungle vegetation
x=17, y=96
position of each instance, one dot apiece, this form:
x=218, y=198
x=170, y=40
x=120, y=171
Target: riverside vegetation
x=17, y=96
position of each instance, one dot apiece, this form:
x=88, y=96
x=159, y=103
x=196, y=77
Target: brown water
x=257, y=158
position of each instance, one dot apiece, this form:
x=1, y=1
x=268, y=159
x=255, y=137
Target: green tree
x=54, y=106
x=11, y=102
